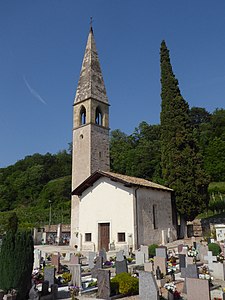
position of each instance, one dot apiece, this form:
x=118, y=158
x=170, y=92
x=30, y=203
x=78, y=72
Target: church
x=109, y=210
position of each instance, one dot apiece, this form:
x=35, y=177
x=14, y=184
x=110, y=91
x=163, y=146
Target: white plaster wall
x=106, y=202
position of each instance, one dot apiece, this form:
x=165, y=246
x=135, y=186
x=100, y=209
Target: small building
x=123, y=212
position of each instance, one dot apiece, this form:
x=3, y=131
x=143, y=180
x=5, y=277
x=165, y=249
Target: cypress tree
x=182, y=165
x=16, y=261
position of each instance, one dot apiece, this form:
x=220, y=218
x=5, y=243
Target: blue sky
x=41, y=50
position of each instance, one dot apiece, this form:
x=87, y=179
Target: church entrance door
x=103, y=236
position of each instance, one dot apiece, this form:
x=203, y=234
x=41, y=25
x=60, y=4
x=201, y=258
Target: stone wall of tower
x=81, y=161
x=99, y=148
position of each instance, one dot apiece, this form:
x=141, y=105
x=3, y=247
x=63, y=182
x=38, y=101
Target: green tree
x=16, y=261
x=181, y=161
x=215, y=159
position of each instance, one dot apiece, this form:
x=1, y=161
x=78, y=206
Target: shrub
x=127, y=284
x=151, y=250
x=215, y=248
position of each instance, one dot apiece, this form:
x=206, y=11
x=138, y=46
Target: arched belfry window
x=98, y=116
x=82, y=115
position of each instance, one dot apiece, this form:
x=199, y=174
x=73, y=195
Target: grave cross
x=210, y=258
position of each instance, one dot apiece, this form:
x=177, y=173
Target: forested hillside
x=29, y=185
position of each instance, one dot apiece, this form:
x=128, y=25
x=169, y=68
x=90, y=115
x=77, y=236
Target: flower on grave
x=220, y=257
x=192, y=252
x=12, y=292
x=108, y=263
x=170, y=287
x=74, y=290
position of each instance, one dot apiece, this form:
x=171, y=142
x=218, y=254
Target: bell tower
x=90, y=128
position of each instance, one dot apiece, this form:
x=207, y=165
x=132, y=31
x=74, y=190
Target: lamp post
x=50, y=213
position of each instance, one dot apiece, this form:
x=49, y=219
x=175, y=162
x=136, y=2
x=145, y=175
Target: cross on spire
x=91, y=22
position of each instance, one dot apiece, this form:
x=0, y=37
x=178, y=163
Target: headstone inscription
x=148, y=289
x=103, y=277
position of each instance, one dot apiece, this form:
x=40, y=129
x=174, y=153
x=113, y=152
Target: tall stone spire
x=91, y=83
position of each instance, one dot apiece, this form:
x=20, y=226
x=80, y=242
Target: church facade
x=109, y=210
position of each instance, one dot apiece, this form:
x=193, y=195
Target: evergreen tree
x=181, y=161
x=16, y=261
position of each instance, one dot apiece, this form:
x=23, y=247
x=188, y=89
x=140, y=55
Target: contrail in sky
x=33, y=92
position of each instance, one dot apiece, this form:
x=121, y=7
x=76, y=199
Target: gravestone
x=55, y=260
x=197, y=289
x=44, y=289
x=162, y=263
x=189, y=260
x=161, y=252
x=33, y=293
x=54, y=291
x=144, y=249
x=180, y=248
x=68, y=256
x=2, y=293
x=217, y=294
x=37, y=258
x=218, y=270
x=148, y=289
x=182, y=261
x=75, y=270
x=148, y=267
x=98, y=265
x=203, y=251
x=120, y=256
x=139, y=257
x=49, y=275
x=103, y=277
x=121, y=266
x=210, y=258
x=91, y=258
x=59, y=234
x=191, y=271
x=102, y=253
x=74, y=259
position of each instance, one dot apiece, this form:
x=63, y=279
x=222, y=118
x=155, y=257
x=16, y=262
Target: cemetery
x=194, y=269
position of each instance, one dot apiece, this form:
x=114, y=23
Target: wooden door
x=103, y=236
